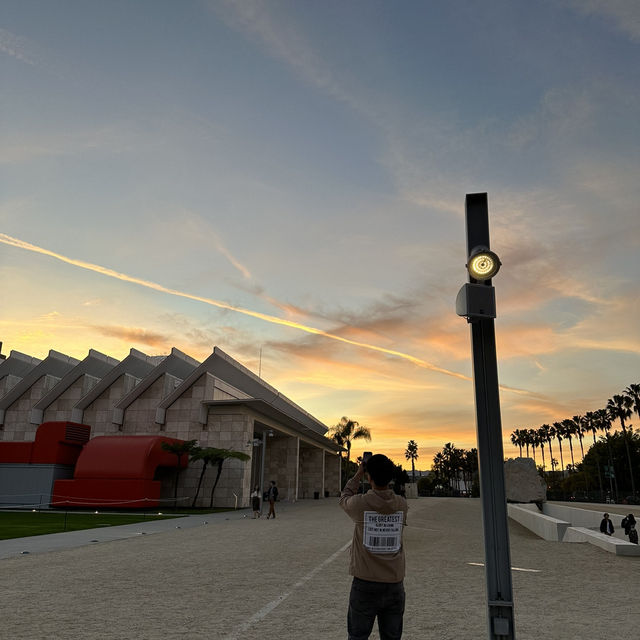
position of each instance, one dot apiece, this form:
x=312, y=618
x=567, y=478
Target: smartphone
x=366, y=455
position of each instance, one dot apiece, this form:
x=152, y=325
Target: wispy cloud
x=19, y=47
x=624, y=14
x=223, y=305
x=136, y=336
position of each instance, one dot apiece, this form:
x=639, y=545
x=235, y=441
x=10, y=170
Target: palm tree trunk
x=573, y=464
x=561, y=458
x=175, y=486
x=626, y=444
x=204, y=468
x=215, y=484
x=595, y=453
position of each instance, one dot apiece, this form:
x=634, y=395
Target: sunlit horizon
x=286, y=181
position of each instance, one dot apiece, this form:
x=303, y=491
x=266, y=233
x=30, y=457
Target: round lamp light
x=483, y=264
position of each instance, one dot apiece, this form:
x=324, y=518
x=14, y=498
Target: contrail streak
x=20, y=244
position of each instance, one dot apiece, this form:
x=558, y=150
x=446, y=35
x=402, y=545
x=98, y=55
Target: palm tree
x=346, y=431
x=569, y=430
x=605, y=417
x=207, y=455
x=412, y=454
x=591, y=423
x=559, y=430
x=218, y=456
x=633, y=391
x=179, y=449
x=548, y=434
x=516, y=440
x=470, y=465
x=541, y=437
x=581, y=430
x=532, y=436
x=620, y=407
x=526, y=439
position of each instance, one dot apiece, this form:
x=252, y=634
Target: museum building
x=90, y=432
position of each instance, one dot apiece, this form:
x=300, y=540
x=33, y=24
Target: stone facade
x=139, y=415
x=60, y=408
x=17, y=419
x=311, y=472
x=99, y=413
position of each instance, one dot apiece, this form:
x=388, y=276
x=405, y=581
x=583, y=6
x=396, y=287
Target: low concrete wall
x=608, y=543
x=547, y=527
x=584, y=517
x=560, y=523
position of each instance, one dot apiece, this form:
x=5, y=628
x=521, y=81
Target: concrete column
x=332, y=471
x=311, y=471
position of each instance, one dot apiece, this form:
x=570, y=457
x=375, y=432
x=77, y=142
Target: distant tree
x=412, y=454
x=517, y=440
x=547, y=432
x=620, y=407
x=558, y=429
x=633, y=392
x=346, y=431
x=179, y=449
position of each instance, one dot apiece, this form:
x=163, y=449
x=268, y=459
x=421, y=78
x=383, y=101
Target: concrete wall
x=60, y=409
x=332, y=474
x=544, y=526
x=140, y=415
x=281, y=465
x=584, y=517
x=232, y=431
x=310, y=472
x=99, y=414
x=7, y=383
x=17, y=419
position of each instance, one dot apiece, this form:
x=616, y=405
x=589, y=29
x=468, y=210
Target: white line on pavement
x=268, y=608
x=481, y=564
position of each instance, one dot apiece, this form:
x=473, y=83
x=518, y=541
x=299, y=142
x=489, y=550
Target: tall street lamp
x=477, y=303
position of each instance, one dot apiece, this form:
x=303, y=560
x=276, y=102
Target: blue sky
x=309, y=161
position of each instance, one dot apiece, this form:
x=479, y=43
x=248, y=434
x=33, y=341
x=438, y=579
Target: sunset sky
x=288, y=178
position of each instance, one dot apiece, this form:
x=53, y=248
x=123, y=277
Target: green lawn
x=22, y=524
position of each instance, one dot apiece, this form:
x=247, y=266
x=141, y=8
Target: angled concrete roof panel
x=177, y=364
x=136, y=364
x=206, y=367
x=96, y=364
x=55, y=364
x=235, y=374
x=18, y=364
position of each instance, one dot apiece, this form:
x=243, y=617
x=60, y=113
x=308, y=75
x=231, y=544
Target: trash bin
x=326, y=494
x=316, y=495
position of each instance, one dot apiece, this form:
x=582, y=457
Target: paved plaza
x=239, y=578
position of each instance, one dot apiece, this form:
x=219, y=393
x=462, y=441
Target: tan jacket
x=377, y=552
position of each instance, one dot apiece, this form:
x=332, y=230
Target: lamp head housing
x=483, y=264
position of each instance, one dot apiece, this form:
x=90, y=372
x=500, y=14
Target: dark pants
x=370, y=599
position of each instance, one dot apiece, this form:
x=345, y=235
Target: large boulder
x=522, y=481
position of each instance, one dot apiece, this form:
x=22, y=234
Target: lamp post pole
x=476, y=301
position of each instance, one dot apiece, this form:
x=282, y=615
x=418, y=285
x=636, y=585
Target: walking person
x=255, y=501
x=606, y=526
x=272, y=496
x=629, y=525
x=377, y=555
